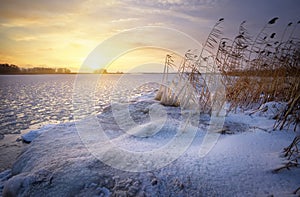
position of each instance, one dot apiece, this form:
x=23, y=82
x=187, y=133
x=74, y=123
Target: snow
x=271, y=109
x=31, y=135
x=143, y=148
x=4, y=176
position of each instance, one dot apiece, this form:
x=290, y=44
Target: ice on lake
x=30, y=101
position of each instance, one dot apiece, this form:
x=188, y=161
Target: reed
x=254, y=71
x=188, y=88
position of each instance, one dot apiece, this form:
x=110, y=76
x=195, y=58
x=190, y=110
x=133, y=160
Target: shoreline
x=59, y=161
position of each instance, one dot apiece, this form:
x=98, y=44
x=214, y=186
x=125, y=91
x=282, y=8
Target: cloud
x=74, y=28
x=124, y=20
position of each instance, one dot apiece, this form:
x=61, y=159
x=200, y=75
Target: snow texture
x=31, y=135
x=271, y=109
x=58, y=163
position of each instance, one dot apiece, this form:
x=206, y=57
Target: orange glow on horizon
x=63, y=33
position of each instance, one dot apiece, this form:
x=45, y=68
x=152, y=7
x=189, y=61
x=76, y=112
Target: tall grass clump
x=189, y=87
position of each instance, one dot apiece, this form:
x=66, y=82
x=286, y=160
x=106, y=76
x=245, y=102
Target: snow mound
x=58, y=163
x=31, y=135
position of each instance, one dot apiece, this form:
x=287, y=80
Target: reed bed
x=253, y=69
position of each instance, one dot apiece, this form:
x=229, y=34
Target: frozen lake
x=31, y=101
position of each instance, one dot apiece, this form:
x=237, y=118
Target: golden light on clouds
x=63, y=33
x=137, y=60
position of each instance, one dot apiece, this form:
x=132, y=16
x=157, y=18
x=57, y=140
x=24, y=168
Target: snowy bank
x=59, y=162
x=31, y=135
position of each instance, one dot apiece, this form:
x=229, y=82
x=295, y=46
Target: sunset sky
x=60, y=33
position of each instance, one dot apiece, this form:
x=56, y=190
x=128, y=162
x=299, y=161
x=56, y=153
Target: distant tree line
x=6, y=68
x=100, y=71
x=104, y=71
x=13, y=69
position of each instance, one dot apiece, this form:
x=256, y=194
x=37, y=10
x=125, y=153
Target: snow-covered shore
x=58, y=163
